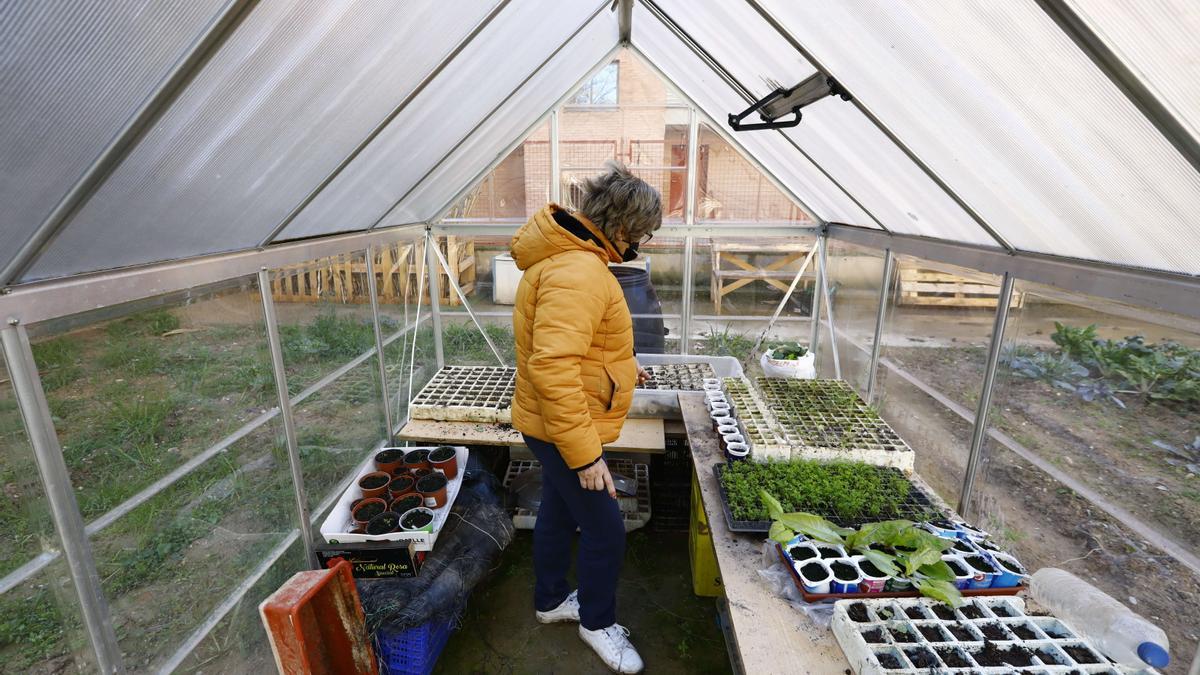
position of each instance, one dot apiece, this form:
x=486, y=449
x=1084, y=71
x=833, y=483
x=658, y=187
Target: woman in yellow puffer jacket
x=576, y=373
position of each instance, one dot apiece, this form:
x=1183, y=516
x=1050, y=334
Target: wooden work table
x=638, y=435
x=767, y=635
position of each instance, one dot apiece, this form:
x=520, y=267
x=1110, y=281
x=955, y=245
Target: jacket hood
x=554, y=230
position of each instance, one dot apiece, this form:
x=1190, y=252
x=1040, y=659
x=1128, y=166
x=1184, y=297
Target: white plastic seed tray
x=635, y=511
x=920, y=635
x=772, y=440
x=664, y=403
x=467, y=394
x=337, y=525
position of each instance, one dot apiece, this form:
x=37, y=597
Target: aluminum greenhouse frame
x=166, y=180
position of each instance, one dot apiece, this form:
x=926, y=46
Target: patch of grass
x=726, y=342
x=57, y=361
x=33, y=632
x=330, y=336
x=132, y=355
x=151, y=322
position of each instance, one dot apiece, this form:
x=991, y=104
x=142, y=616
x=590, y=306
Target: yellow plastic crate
x=706, y=576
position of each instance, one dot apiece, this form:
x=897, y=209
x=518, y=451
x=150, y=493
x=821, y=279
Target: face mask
x=630, y=253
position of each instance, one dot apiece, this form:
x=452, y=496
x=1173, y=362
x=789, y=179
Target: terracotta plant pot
x=445, y=458
x=407, y=503
x=421, y=473
x=366, y=510
x=401, y=471
x=389, y=459
x=374, y=484
x=417, y=459
x=384, y=523
x=402, y=485
x=433, y=489
x=416, y=520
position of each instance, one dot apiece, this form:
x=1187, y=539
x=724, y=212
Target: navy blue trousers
x=565, y=506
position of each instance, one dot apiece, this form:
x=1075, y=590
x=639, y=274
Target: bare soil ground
x=1043, y=521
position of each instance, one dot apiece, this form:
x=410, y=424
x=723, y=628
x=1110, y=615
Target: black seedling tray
x=917, y=507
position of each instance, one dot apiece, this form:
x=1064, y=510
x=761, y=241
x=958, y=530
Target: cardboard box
x=374, y=559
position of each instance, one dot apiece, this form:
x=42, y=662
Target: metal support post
x=285, y=414
x=555, y=160
x=885, y=288
x=60, y=496
x=837, y=362
x=814, y=337
x=985, y=397
x=435, y=310
x=689, y=220
x=372, y=289
x=685, y=310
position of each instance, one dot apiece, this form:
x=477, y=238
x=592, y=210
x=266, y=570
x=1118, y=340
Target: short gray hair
x=617, y=200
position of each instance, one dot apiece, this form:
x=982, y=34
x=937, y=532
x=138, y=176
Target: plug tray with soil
x=921, y=635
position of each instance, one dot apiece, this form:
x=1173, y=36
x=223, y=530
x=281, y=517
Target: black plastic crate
x=918, y=507
x=671, y=506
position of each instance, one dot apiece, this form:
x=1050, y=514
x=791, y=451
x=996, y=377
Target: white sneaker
x=613, y=646
x=567, y=610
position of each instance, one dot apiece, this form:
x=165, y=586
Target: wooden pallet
x=933, y=288
x=343, y=278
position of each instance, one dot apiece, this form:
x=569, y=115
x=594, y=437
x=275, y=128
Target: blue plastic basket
x=414, y=651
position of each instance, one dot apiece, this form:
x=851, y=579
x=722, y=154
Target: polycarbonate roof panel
x=1015, y=118
x=290, y=94
x=468, y=164
x=833, y=132
x=72, y=73
x=509, y=50
x=1157, y=40
x=713, y=96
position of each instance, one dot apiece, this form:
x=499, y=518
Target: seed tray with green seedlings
x=847, y=494
x=984, y=636
x=467, y=394
x=826, y=420
x=678, y=376
x=823, y=395
x=758, y=424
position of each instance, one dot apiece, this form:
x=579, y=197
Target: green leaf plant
x=899, y=548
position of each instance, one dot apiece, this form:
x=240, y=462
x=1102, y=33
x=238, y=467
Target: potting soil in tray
x=336, y=527
x=918, y=506
x=881, y=636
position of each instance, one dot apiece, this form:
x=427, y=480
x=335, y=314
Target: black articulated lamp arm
x=774, y=108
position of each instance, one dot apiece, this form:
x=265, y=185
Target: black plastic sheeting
x=478, y=530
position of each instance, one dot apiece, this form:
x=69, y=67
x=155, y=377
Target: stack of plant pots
x=725, y=422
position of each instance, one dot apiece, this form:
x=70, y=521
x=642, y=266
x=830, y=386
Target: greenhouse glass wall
x=237, y=240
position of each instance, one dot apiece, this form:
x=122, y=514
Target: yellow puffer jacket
x=575, y=366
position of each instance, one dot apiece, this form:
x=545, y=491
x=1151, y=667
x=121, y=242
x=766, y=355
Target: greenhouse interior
x=925, y=264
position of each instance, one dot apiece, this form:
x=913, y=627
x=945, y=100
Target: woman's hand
x=643, y=375
x=597, y=477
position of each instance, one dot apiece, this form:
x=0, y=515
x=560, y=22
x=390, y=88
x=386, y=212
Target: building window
x=601, y=90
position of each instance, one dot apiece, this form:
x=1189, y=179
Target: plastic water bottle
x=1121, y=634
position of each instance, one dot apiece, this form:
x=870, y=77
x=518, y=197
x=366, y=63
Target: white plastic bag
x=779, y=580
x=803, y=368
